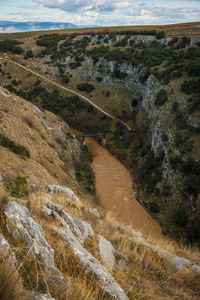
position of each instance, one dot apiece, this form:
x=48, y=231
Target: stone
x=81, y=229
x=196, y=268
x=93, y=267
x=179, y=263
x=34, y=188
x=122, y=263
x=94, y=212
x=6, y=251
x=23, y=226
x=129, y=230
x=64, y=191
x=107, y=252
x=32, y=295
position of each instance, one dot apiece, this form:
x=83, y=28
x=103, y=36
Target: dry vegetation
x=141, y=273
x=188, y=29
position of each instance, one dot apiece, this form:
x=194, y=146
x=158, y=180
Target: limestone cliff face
x=51, y=144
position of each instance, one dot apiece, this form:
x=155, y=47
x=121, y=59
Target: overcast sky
x=101, y=12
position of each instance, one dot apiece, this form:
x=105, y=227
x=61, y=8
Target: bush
x=154, y=207
x=180, y=217
x=184, y=42
x=161, y=98
x=160, y=35
x=191, y=86
x=29, y=54
x=65, y=79
x=10, y=45
x=192, y=184
x=87, y=87
x=175, y=106
x=16, y=148
x=18, y=187
x=193, y=231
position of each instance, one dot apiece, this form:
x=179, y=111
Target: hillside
x=148, y=80
x=8, y=26
x=55, y=244
x=47, y=138
x=141, y=77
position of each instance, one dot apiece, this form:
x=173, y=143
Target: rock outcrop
x=107, y=252
x=93, y=267
x=70, y=233
x=6, y=251
x=63, y=191
x=22, y=226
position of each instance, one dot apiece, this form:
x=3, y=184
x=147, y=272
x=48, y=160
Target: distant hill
x=8, y=27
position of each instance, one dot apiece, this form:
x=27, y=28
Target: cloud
x=9, y=29
x=85, y=5
x=104, y=12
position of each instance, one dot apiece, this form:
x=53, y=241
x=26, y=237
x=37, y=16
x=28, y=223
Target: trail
x=69, y=90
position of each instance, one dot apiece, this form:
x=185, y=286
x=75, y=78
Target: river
x=114, y=189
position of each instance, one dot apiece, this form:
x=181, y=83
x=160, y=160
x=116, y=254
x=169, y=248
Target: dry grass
x=179, y=29
x=141, y=273
x=10, y=281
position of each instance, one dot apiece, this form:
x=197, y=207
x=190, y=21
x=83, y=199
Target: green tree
x=161, y=98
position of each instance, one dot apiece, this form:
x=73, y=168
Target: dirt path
x=113, y=184
x=64, y=88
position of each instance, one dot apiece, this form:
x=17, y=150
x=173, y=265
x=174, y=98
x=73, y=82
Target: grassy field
x=183, y=29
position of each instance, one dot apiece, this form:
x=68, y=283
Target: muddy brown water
x=114, y=189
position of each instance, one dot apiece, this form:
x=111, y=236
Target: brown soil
x=113, y=184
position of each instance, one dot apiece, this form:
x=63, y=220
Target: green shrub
x=193, y=230
x=18, y=187
x=166, y=190
x=154, y=207
x=29, y=54
x=180, y=217
x=192, y=184
x=165, y=137
x=161, y=98
x=11, y=45
x=191, y=86
x=160, y=35
x=175, y=106
x=16, y=148
x=87, y=87
x=65, y=79
x=3, y=201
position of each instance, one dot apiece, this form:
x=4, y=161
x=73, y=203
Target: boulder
x=6, y=251
x=93, y=267
x=72, y=228
x=64, y=191
x=81, y=229
x=179, y=263
x=107, y=252
x=31, y=295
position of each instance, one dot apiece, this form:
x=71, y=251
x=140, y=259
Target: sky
x=101, y=12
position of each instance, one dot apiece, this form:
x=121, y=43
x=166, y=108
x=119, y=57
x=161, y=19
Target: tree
x=161, y=98
x=160, y=35
x=29, y=54
x=85, y=87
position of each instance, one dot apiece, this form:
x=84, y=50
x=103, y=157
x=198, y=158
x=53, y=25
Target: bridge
x=103, y=134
